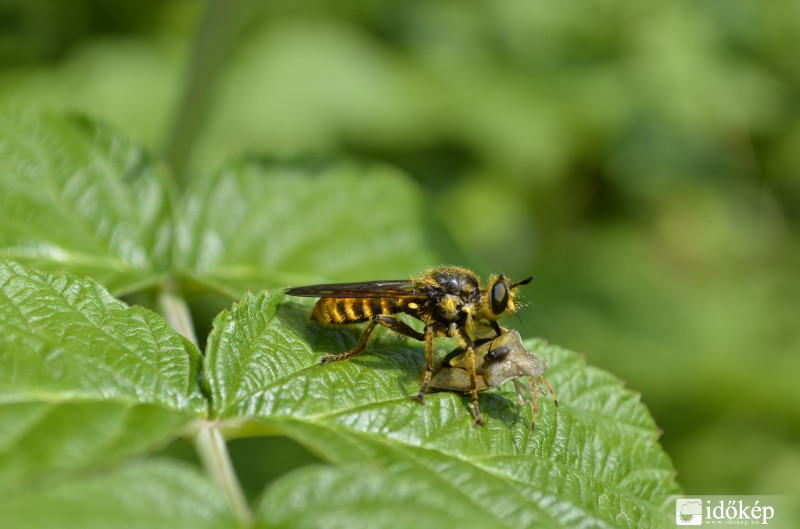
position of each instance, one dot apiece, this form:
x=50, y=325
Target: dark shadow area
x=261, y=460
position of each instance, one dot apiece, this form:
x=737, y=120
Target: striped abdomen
x=353, y=310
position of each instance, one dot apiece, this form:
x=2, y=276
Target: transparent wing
x=401, y=288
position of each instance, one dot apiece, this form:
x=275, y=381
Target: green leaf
x=593, y=461
x=365, y=496
x=259, y=223
x=76, y=196
x=147, y=495
x=85, y=379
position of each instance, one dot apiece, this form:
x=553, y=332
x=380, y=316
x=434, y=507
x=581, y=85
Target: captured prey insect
x=497, y=361
x=449, y=300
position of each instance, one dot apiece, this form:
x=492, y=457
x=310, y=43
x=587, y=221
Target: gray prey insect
x=497, y=361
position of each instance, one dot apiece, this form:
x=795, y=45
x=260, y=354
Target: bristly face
x=499, y=297
x=456, y=296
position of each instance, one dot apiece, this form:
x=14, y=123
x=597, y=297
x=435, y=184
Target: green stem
x=215, y=35
x=208, y=440
x=175, y=310
x=214, y=454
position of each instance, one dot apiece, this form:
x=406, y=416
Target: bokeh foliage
x=640, y=158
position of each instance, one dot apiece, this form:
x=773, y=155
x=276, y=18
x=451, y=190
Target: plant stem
x=175, y=310
x=216, y=33
x=208, y=440
x=214, y=454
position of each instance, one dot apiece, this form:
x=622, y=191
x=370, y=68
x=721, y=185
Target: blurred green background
x=642, y=159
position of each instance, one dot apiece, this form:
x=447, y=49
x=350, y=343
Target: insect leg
x=518, y=391
x=533, y=393
x=399, y=326
x=473, y=377
x=430, y=332
x=546, y=383
x=362, y=343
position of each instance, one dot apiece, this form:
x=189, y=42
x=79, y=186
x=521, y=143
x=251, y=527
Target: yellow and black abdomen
x=352, y=310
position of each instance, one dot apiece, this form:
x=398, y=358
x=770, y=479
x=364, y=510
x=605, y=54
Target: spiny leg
x=362, y=343
x=533, y=393
x=426, y=378
x=473, y=379
x=399, y=326
x=536, y=392
x=391, y=322
x=549, y=388
x=473, y=390
x=518, y=390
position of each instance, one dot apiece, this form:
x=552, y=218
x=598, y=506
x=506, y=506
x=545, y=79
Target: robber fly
x=498, y=360
x=449, y=300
